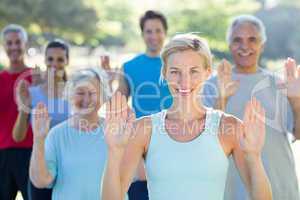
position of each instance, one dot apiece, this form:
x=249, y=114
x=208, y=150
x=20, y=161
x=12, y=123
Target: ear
x=208, y=72
x=164, y=71
x=263, y=47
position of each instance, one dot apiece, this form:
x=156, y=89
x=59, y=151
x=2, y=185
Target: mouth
x=245, y=54
x=184, y=92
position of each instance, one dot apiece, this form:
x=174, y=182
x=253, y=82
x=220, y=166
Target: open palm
x=292, y=79
x=118, y=122
x=227, y=87
x=40, y=121
x=253, y=137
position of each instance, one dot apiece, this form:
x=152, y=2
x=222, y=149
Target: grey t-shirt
x=277, y=155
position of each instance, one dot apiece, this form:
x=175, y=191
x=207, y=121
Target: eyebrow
x=194, y=67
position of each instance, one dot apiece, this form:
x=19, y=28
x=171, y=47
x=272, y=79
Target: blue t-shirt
x=58, y=108
x=149, y=94
x=76, y=161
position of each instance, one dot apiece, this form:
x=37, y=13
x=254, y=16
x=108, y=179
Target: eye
x=174, y=72
x=193, y=71
x=236, y=40
x=60, y=59
x=253, y=39
x=50, y=59
x=80, y=93
x=148, y=31
x=158, y=30
x=94, y=93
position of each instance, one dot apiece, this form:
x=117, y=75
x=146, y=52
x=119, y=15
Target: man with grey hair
x=233, y=87
x=14, y=157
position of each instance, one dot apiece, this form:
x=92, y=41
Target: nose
x=15, y=46
x=87, y=98
x=244, y=45
x=185, y=81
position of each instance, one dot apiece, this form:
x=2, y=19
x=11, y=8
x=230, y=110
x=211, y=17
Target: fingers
x=41, y=110
x=105, y=62
x=108, y=111
x=113, y=107
x=290, y=69
x=124, y=107
x=224, y=68
x=117, y=107
x=254, y=113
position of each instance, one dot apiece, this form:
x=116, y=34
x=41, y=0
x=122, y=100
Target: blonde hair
x=184, y=42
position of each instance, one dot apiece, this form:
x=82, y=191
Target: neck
x=153, y=53
x=86, y=122
x=54, y=87
x=246, y=70
x=186, y=111
x=16, y=67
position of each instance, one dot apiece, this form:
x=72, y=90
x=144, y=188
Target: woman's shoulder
x=60, y=129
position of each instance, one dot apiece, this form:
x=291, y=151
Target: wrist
x=295, y=103
x=116, y=154
x=39, y=140
x=24, y=109
x=252, y=158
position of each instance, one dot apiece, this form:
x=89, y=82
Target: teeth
x=245, y=54
x=184, y=91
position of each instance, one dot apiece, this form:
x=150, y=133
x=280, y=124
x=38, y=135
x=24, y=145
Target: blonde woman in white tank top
x=197, y=139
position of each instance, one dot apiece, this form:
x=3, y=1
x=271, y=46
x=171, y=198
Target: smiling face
x=154, y=35
x=185, y=73
x=246, y=47
x=56, y=60
x=14, y=46
x=87, y=97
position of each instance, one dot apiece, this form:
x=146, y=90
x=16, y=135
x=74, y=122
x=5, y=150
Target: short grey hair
x=14, y=28
x=243, y=19
x=88, y=74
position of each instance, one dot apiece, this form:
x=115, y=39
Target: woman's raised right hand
x=119, y=123
x=40, y=121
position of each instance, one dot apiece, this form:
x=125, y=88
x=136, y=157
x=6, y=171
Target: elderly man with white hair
x=233, y=87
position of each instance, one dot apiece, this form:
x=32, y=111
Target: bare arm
x=21, y=126
x=249, y=137
x=39, y=174
x=23, y=102
x=125, y=151
x=292, y=81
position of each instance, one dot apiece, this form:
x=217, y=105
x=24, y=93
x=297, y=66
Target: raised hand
x=118, y=122
x=227, y=87
x=252, y=139
x=23, y=98
x=36, y=76
x=292, y=79
x=105, y=63
x=40, y=121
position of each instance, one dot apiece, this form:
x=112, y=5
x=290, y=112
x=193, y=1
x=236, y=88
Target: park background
x=97, y=27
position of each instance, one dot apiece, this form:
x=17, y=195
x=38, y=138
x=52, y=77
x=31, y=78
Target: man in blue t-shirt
x=140, y=80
